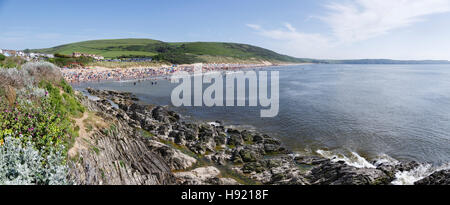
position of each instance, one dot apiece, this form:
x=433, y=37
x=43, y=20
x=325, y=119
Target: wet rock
x=271, y=148
x=247, y=136
x=249, y=156
x=339, y=173
x=270, y=140
x=221, y=138
x=191, y=132
x=219, y=158
x=253, y=167
x=175, y=158
x=437, y=178
x=310, y=160
x=391, y=168
x=235, y=140
x=174, y=116
x=203, y=176
x=232, y=131
x=222, y=181
x=163, y=129
x=178, y=137
x=161, y=114
x=273, y=163
x=407, y=166
x=199, y=148
x=258, y=139
x=206, y=133
x=220, y=129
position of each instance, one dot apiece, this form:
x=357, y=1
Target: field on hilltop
x=179, y=53
x=106, y=48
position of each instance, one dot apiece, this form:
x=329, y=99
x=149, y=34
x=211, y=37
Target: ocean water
x=360, y=113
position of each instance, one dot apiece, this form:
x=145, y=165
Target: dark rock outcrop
x=339, y=173
x=118, y=156
x=437, y=178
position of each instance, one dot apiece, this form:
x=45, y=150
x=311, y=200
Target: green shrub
x=64, y=103
x=2, y=57
x=35, y=122
x=44, y=119
x=35, y=130
x=176, y=58
x=11, y=62
x=64, y=60
x=66, y=87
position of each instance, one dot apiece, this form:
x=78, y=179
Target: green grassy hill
x=192, y=52
x=106, y=48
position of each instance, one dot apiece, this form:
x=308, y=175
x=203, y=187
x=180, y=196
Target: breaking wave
x=419, y=173
x=354, y=160
x=401, y=178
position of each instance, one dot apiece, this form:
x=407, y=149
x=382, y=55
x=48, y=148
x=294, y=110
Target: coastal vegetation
x=10, y=62
x=62, y=60
x=35, y=124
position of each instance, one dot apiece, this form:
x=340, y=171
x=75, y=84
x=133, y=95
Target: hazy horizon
x=329, y=29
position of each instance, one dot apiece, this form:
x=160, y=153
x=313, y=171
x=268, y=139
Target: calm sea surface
x=399, y=110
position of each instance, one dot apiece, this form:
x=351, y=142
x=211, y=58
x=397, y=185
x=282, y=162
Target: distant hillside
x=381, y=61
x=106, y=48
x=196, y=52
x=174, y=52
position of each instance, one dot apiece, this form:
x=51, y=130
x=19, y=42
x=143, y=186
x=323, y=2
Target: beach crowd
x=106, y=74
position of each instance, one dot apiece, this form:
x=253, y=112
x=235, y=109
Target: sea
x=362, y=114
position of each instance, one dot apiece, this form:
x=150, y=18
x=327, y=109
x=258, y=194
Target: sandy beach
x=101, y=74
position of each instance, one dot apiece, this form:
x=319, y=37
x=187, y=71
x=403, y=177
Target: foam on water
x=214, y=124
x=419, y=173
x=401, y=178
x=354, y=160
x=385, y=160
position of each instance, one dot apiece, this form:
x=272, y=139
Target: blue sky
x=334, y=29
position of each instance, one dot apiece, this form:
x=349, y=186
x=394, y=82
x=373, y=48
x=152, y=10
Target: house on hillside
x=20, y=54
x=76, y=55
x=96, y=57
x=9, y=53
x=33, y=55
x=99, y=58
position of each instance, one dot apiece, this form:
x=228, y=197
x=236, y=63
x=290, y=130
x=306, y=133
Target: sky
x=322, y=29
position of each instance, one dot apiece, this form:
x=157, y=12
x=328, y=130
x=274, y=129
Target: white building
x=20, y=53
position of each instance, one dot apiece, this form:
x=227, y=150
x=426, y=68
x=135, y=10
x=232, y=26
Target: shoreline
x=101, y=74
x=251, y=154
